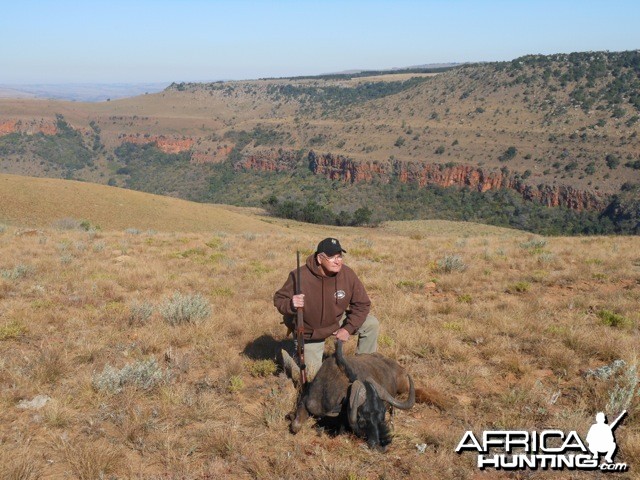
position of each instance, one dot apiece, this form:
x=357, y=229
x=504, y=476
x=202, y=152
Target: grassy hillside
x=28, y=202
x=549, y=122
x=507, y=326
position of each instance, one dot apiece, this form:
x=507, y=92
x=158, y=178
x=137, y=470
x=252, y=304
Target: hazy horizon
x=167, y=41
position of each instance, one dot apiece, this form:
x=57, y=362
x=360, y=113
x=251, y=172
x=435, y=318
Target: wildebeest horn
x=387, y=397
x=356, y=399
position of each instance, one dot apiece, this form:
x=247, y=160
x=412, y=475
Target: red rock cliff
x=339, y=167
x=167, y=145
x=46, y=127
x=268, y=161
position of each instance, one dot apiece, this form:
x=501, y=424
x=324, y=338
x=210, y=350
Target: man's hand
x=342, y=334
x=298, y=301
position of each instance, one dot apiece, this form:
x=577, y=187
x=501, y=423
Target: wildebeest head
x=367, y=411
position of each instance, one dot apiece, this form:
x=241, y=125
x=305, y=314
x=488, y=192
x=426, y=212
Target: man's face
x=330, y=265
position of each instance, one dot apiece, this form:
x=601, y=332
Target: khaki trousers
x=367, y=343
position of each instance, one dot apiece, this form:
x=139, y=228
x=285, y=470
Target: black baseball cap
x=330, y=247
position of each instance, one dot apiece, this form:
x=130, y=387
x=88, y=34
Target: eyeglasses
x=335, y=259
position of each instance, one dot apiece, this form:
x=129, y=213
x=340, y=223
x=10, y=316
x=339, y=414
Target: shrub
x=621, y=396
x=612, y=319
x=263, y=368
x=451, y=263
x=535, y=244
x=16, y=273
x=185, y=309
x=67, y=223
x=142, y=375
x=139, y=312
x=612, y=161
x=508, y=154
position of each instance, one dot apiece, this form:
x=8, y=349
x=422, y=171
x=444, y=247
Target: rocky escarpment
x=30, y=127
x=340, y=167
x=485, y=180
x=271, y=160
x=166, y=144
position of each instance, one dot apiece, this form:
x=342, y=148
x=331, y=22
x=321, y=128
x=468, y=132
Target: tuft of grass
x=465, y=298
x=214, y=243
x=13, y=329
x=410, y=285
x=236, y=384
x=258, y=268
x=385, y=340
x=451, y=263
x=612, y=319
x=519, y=287
x=221, y=292
x=181, y=309
x=142, y=375
x=263, y=368
x=453, y=326
x=20, y=467
x=90, y=461
x=50, y=365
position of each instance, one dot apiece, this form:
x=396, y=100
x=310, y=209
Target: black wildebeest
x=360, y=386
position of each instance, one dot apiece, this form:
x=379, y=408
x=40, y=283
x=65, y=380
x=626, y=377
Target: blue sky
x=135, y=41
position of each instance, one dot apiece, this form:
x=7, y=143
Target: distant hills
x=80, y=92
x=542, y=143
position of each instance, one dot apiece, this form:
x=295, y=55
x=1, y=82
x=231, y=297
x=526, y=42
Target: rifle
x=300, y=328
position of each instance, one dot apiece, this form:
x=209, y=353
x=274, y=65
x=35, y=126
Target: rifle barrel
x=300, y=325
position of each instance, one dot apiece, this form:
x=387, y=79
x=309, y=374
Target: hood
x=313, y=266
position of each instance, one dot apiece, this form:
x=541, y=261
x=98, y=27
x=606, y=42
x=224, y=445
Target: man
x=334, y=302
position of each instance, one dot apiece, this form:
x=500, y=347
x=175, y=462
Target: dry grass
x=501, y=355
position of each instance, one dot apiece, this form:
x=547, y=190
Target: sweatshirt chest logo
x=340, y=294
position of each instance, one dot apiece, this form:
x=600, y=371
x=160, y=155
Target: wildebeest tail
x=431, y=396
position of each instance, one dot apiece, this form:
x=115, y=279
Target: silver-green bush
x=185, y=309
x=451, y=263
x=139, y=312
x=17, y=272
x=143, y=375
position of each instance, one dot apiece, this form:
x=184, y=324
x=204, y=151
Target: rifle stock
x=300, y=327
